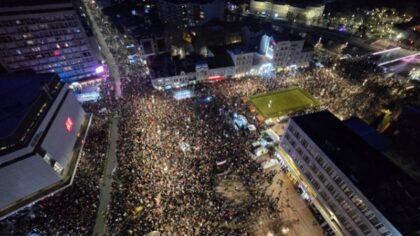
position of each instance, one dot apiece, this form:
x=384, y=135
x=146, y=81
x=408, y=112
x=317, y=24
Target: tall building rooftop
x=19, y=95
x=190, y=1
x=395, y=194
x=18, y=3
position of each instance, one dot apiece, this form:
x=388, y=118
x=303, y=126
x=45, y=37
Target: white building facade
x=341, y=203
x=286, y=53
x=282, y=9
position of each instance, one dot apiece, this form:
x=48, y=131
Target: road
x=109, y=58
x=324, y=33
x=106, y=183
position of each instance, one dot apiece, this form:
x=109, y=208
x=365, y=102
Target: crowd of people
x=173, y=155
x=168, y=167
x=344, y=97
x=71, y=211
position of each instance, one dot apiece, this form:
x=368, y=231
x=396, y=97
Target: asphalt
x=106, y=182
x=109, y=58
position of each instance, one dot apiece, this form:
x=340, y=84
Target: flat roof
x=221, y=57
x=18, y=94
x=278, y=37
x=367, y=133
x=394, y=193
x=164, y=65
x=18, y=3
x=297, y=3
x=239, y=48
x=190, y=1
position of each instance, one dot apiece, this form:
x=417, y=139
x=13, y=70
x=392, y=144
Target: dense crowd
x=71, y=211
x=174, y=157
x=168, y=168
x=334, y=91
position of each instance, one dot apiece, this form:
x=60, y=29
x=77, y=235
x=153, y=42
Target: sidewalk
x=295, y=212
x=112, y=65
x=106, y=183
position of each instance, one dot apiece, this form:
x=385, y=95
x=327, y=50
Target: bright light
x=99, y=69
x=216, y=78
x=399, y=36
x=183, y=94
x=68, y=124
x=285, y=230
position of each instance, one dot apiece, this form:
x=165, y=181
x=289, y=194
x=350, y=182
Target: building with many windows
x=186, y=13
x=285, y=9
x=47, y=37
x=42, y=128
x=286, y=51
x=357, y=190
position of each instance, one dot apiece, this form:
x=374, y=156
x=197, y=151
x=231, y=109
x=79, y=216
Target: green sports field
x=282, y=102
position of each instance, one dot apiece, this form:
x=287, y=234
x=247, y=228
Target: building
x=357, y=190
x=219, y=63
x=285, y=9
x=186, y=13
x=46, y=36
x=243, y=59
x=42, y=128
x=150, y=39
x=168, y=72
x=286, y=51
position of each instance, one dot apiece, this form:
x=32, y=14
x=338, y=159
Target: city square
x=228, y=141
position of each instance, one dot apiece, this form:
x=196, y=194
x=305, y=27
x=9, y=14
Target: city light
x=99, y=69
x=69, y=124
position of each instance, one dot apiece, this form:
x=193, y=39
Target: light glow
x=216, y=78
x=99, y=69
x=69, y=124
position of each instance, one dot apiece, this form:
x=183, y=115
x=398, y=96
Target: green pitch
x=282, y=102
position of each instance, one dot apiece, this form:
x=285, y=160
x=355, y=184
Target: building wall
x=174, y=81
x=223, y=71
x=345, y=204
x=243, y=62
x=31, y=177
x=260, y=7
x=281, y=10
x=66, y=125
x=285, y=54
x=190, y=14
x=23, y=178
x=51, y=41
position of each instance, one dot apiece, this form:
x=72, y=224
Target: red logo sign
x=69, y=124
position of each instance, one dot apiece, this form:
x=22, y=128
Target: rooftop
x=239, y=48
x=367, y=133
x=395, y=194
x=17, y=95
x=189, y=1
x=298, y=3
x=278, y=37
x=220, y=59
x=163, y=65
x=18, y=3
